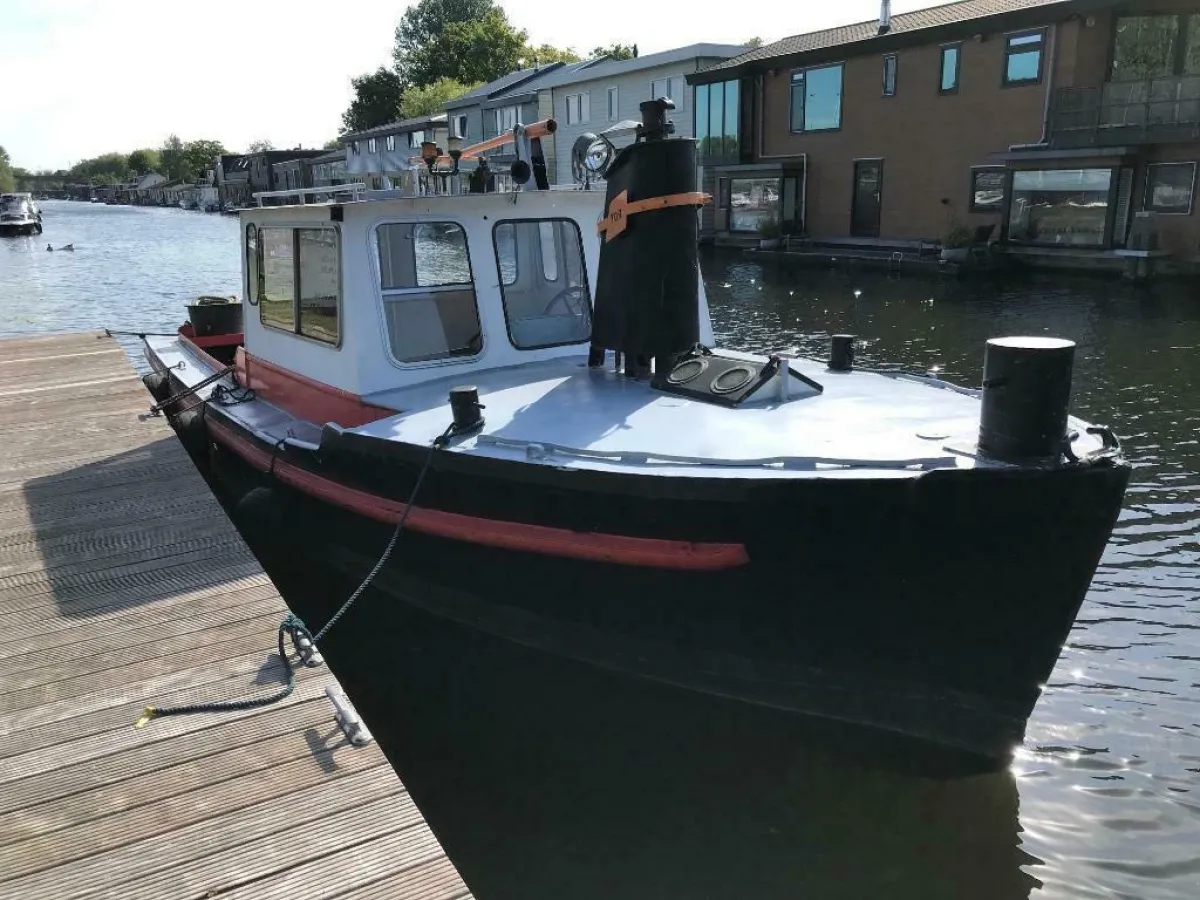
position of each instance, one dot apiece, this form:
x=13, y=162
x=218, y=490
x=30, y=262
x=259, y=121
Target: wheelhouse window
x=817, y=99
x=1023, y=58
x=948, y=69
x=579, y=108
x=1170, y=187
x=1060, y=207
x=717, y=120
x=890, y=64
x=298, y=273
x=547, y=303
x=428, y=294
x=987, y=189
x=252, y=266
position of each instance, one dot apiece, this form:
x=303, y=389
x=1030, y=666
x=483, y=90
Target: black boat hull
x=932, y=608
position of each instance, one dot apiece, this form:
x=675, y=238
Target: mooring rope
x=295, y=628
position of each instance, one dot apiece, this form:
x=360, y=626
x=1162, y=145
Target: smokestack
x=885, y=16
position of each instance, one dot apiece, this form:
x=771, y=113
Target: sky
x=85, y=77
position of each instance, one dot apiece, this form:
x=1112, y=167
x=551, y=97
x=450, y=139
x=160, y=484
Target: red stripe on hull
x=590, y=546
x=304, y=398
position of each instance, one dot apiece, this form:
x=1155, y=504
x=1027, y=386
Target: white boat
x=19, y=215
x=525, y=383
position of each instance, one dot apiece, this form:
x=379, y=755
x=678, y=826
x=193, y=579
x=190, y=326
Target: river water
x=1104, y=799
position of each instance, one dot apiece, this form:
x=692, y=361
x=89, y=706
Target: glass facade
x=751, y=201
x=717, y=120
x=1060, y=207
x=1146, y=47
x=1169, y=188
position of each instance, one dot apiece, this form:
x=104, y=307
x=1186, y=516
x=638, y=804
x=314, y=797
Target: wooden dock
x=122, y=583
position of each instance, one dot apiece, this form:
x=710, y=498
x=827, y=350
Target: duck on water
x=526, y=380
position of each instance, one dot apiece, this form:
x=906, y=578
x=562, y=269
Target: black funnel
x=647, y=288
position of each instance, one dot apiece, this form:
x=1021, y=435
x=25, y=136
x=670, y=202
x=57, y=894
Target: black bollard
x=1026, y=397
x=841, y=353
x=465, y=407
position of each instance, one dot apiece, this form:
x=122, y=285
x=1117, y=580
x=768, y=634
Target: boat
x=19, y=215
x=517, y=399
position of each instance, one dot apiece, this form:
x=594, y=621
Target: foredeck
x=122, y=583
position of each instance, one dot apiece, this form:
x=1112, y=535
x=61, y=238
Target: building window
x=717, y=120
x=416, y=139
x=1023, y=58
x=390, y=142
x=1146, y=47
x=371, y=145
x=889, y=75
x=354, y=147
x=299, y=276
x=672, y=88
x=722, y=193
x=948, y=70
x=1060, y=207
x=507, y=118
x=460, y=126
x=987, y=189
x=540, y=310
x=1169, y=188
x=612, y=104
x=817, y=99
x=428, y=295
x=579, y=108
x=751, y=201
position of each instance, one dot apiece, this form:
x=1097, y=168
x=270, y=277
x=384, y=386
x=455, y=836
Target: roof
x=904, y=24
x=604, y=67
x=331, y=156
x=400, y=126
x=522, y=78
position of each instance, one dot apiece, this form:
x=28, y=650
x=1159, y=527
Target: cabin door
x=868, y=193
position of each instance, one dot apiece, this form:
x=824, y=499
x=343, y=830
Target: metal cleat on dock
x=347, y=717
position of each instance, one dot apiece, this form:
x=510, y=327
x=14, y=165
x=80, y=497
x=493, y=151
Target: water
x=1104, y=801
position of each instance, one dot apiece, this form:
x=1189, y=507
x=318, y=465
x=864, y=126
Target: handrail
x=535, y=130
x=354, y=188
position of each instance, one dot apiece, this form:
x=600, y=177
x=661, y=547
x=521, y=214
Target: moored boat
x=19, y=215
x=525, y=383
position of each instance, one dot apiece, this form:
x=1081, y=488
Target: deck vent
x=704, y=375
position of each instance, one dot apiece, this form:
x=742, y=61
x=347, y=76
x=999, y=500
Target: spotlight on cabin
x=454, y=146
x=591, y=155
x=520, y=171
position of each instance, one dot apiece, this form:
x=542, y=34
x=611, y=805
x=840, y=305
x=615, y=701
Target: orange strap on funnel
x=622, y=208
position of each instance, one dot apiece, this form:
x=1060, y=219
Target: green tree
x=332, y=144
x=144, y=161
x=431, y=99
x=753, y=42
x=6, y=173
x=376, y=100
x=466, y=40
x=113, y=166
x=616, y=51
x=260, y=145
x=548, y=54
x=201, y=155
x=172, y=156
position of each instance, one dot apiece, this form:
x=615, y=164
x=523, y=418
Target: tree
x=260, y=145
x=426, y=101
x=6, y=175
x=332, y=144
x=754, y=42
x=172, y=156
x=145, y=161
x=376, y=100
x=201, y=155
x=548, y=54
x=467, y=40
x=616, y=51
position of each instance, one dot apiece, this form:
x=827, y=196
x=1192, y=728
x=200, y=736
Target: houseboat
x=507, y=407
x=19, y=215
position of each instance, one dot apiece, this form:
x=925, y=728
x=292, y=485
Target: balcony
x=1121, y=113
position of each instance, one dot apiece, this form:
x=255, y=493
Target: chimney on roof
x=885, y=16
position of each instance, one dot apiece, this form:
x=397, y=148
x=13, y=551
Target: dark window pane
x=731, y=119
x=1062, y=207
x=889, y=76
x=1023, y=66
x=798, y=101
x=1169, y=187
x=1191, y=54
x=987, y=190
x=319, y=281
x=823, y=99
x=752, y=200
x=716, y=117
x=1142, y=47
x=702, y=116
x=949, y=68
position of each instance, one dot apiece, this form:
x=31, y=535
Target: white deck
x=560, y=413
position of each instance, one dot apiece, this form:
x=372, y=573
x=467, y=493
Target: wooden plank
x=122, y=583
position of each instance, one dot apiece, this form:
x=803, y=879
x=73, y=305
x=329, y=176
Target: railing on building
x=1161, y=110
